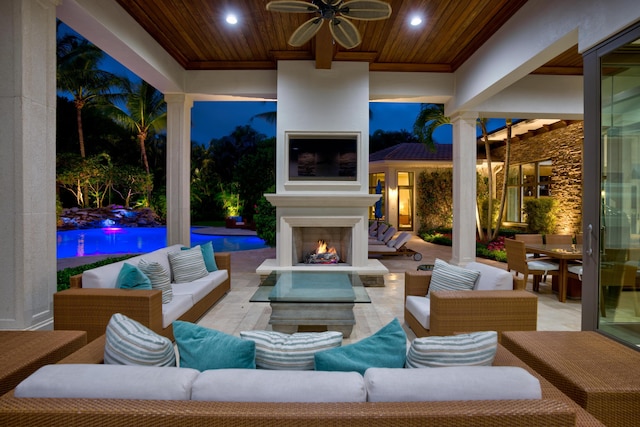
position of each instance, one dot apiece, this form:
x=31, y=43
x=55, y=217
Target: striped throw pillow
x=473, y=349
x=159, y=277
x=275, y=350
x=130, y=343
x=447, y=277
x=187, y=265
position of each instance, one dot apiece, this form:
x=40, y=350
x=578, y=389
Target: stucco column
x=27, y=163
x=464, y=188
x=178, y=168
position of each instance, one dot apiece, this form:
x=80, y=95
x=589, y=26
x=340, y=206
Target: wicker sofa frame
x=90, y=310
x=469, y=311
x=554, y=409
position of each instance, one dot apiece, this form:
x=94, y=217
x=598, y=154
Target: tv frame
x=323, y=182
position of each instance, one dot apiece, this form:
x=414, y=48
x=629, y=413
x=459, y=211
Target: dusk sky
x=217, y=119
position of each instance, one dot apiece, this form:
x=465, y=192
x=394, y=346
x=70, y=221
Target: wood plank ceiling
x=195, y=33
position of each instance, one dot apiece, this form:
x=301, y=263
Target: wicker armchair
x=469, y=311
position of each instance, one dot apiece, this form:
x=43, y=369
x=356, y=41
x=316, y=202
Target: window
x=527, y=181
x=405, y=200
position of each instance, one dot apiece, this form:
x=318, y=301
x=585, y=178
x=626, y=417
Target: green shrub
x=65, y=274
x=541, y=215
x=265, y=219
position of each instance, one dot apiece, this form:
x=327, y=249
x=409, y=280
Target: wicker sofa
x=554, y=409
x=90, y=308
x=468, y=311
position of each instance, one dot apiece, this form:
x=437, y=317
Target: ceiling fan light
x=231, y=19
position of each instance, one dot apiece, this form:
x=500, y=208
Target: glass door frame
x=592, y=173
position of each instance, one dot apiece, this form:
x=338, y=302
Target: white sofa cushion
x=452, y=383
x=199, y=288
x=420, y=307
x=105, y=276
x=491, y=278
x=178, y=306
x=109, y=382
x=257, y=385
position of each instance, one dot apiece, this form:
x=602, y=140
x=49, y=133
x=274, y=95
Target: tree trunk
x=487, y=149
x=507, y=160
x=143, y=151
x=80, y=131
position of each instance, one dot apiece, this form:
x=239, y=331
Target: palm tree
x=78, y=75
x=429, y=118
x=144, y=111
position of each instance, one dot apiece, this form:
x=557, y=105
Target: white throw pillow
x=130, y=343
x=275, y=350
x=159, y=276
x=474, y=349
x=447, y=277
x=188, y=265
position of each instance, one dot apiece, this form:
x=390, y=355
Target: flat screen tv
x=323, y=157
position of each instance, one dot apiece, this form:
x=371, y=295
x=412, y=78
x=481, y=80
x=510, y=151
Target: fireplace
x=306, y=242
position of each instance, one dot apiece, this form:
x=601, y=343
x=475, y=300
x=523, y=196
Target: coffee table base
x=298, y=317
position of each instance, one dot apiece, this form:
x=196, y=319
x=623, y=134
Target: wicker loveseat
x=554, y=409
x=90, y=309
x=468, y=311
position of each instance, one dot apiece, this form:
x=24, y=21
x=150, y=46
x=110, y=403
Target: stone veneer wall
x=563, y=146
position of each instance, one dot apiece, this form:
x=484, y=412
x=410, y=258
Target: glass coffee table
x=304, y=301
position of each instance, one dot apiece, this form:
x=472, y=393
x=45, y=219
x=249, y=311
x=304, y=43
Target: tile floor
x=234, y=313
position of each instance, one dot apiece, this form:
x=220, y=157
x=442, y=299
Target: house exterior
x=546, y=161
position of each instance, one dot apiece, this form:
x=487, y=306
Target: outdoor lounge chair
x=384, y=238
x=395, y=246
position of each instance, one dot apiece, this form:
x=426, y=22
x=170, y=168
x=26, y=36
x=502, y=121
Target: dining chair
x=530, y=238
x=558, y=239
x=518, y=262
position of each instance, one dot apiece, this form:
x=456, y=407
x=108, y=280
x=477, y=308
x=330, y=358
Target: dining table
x=563, y=253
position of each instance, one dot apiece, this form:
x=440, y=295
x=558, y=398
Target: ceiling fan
x=334, y=11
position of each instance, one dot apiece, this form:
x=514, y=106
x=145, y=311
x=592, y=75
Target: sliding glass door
x=613, y=234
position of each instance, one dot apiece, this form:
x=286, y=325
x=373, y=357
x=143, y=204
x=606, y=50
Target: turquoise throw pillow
x=131, y=277
x=387, y=348
x=203, y=348
x=209, y=258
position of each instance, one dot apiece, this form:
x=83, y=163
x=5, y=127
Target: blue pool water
x=100, y=241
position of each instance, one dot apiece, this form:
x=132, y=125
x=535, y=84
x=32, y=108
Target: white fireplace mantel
x=322, y=200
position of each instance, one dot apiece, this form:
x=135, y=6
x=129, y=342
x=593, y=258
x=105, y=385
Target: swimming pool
x=100, y=241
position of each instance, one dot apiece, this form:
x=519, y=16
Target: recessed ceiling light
x=416, y=20
x=232, y=19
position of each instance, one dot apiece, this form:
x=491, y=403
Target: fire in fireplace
x=323, y=254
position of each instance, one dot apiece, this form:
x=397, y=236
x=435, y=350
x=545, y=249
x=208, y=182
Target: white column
x=464, y=188
x=27, y=163
x=178, y=168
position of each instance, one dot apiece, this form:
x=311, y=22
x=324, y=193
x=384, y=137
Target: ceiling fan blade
x=366, y=10
x=305, y=31
x=345, y=33
x=291, y=6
